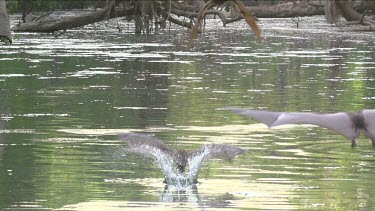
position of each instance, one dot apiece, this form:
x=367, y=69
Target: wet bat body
x=346, y=123
x=153, y=147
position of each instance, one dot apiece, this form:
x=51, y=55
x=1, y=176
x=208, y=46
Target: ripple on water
x=286, y=168
x=223, y=193
x=89, y=73
x=14, y=75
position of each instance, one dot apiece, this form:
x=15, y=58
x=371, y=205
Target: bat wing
x=145, y=145
x=369, y=117
x=210, y=151
x=265, y=117
x=338, y=122
x=220, y=151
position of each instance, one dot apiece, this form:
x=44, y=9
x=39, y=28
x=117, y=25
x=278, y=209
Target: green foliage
x=4, y=41
x=15, y=6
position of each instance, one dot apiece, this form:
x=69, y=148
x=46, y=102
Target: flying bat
x=175, y=162
x=345, y=123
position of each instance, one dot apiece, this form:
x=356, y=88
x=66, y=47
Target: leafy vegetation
x=4, y=40
x=16, y=6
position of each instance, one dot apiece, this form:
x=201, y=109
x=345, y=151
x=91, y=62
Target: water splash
x=168, y=165
x=195, y=164
x=180, y=168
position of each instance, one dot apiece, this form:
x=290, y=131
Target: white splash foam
x=167, y=164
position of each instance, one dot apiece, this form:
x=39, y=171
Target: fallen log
x=350, y=14
x=287, y=10
x=73, y=22
x=275, y=11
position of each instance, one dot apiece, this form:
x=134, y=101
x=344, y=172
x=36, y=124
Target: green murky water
x=64, y=100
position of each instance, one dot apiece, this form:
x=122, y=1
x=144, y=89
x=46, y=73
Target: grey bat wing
x=369, y=118
x=265, y=117
x=145, y=144
x=220, y=151
x=338, y=122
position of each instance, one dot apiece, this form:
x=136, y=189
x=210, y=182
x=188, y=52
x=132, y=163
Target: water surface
x=64, y=100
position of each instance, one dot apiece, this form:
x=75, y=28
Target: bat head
x=181, y=159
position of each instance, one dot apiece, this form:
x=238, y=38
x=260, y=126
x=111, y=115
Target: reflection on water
x=213, y=193
x=64, y=102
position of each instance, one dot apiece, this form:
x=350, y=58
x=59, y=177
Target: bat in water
x=176, y=161
x=345, y=123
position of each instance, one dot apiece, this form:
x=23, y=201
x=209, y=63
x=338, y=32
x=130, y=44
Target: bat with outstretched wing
x=218, y=151
x=150, y=146
x=345, y=123
x=143, y=142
